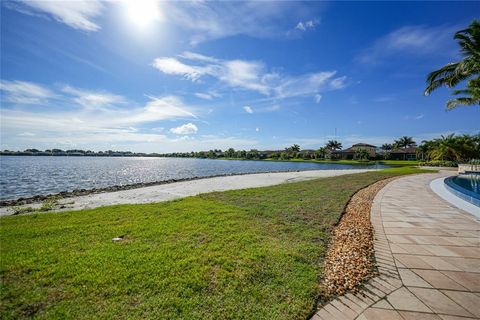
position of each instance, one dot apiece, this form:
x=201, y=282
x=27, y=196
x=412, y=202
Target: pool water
x=469, y=182
x=465, y=186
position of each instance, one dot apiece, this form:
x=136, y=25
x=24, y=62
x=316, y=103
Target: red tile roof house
x=349, y=153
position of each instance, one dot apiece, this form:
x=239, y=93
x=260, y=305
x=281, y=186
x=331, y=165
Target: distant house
x=409, y=153
x=349, y=153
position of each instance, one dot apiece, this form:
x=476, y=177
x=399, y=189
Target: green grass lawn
x=246, y=254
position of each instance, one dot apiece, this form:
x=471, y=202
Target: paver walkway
x=428, y=254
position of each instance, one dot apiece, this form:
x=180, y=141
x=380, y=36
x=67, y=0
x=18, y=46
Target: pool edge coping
x=438, y=186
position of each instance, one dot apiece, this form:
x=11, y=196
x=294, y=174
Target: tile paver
x=428, y=258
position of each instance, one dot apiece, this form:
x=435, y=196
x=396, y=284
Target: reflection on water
x=469, y=181
x=28, y=176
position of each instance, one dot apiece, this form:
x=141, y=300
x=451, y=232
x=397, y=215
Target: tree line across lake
x=454, y=148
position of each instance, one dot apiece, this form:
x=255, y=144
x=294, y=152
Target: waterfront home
x=409, y=153
x=349, y=153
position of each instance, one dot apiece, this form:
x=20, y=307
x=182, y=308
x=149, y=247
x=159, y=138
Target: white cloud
x=257, y=129
x=188, y=128
x=100, y=121
x=248, y=75
x=173, y=66
x=248, y=109
x=414, y=118
x=200, y=20
x=415, y=40
x=207, y=20
x=204, y=96
x=197, y=56
x=26, y=134
x=304, y=84
x=234, y=73
x=103, y=128
x=22, y=92
x=275, y=107
x=78, y=14
x=317, y=98
x=311, y=23
x=92, y=128
x=207, y=95
x=307, y=25
x=93, y=99
x=300, y=26
x=168, y=107
x=382, y=99
x=244, y=74
x=94, y=116
x=338, y=83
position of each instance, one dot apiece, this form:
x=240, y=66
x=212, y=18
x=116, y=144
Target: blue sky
x=178, y=76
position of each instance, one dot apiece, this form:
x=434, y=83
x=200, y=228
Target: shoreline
x=85, y=192
x=169, y=190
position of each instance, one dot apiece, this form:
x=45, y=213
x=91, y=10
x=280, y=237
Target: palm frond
x=466, y=101
x=453, y=74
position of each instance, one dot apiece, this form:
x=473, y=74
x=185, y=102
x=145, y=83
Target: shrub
x=439, y=163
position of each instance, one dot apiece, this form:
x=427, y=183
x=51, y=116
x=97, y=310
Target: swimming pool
x=465, y=186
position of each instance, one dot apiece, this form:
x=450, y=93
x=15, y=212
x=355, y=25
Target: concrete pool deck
x=182, y=189
x=428, y=257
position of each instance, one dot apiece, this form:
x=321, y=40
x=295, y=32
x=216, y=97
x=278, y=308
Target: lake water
x=26, y=176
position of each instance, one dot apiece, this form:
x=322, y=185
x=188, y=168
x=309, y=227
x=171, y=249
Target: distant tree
x=444, y=148
x=333, y=145
x=404, y=142
x=361, y=154
x=211, y=154
x=295, y=148
x=451, y=148
x=252, y=154
x=467, y=69
x=320, y=153
x=275, y=155
x=386, y=147
x=230, y=153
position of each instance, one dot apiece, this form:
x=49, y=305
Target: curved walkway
x=428, y=257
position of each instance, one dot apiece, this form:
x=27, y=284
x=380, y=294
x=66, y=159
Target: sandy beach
x=177, y=190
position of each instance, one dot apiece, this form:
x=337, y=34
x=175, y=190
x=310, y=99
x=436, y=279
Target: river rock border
x=352, y=304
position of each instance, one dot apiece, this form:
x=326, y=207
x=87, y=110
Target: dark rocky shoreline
x=84, y=192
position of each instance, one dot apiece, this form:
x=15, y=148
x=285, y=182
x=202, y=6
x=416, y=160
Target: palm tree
x=321, y=152
x=424, y=149
x=333, y=145
x=295, y=148
x=386, y=147
x=361, y=154
x=467, y=69
x=445, y=148
x=451, y=147
x=404, y=142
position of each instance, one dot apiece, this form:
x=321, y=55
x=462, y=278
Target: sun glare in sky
x=143, y=13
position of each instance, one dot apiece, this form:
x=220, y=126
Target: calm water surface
x=31, y=175
x=470, y=182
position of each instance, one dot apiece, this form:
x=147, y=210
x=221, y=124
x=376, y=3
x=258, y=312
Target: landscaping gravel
x=350, y=257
